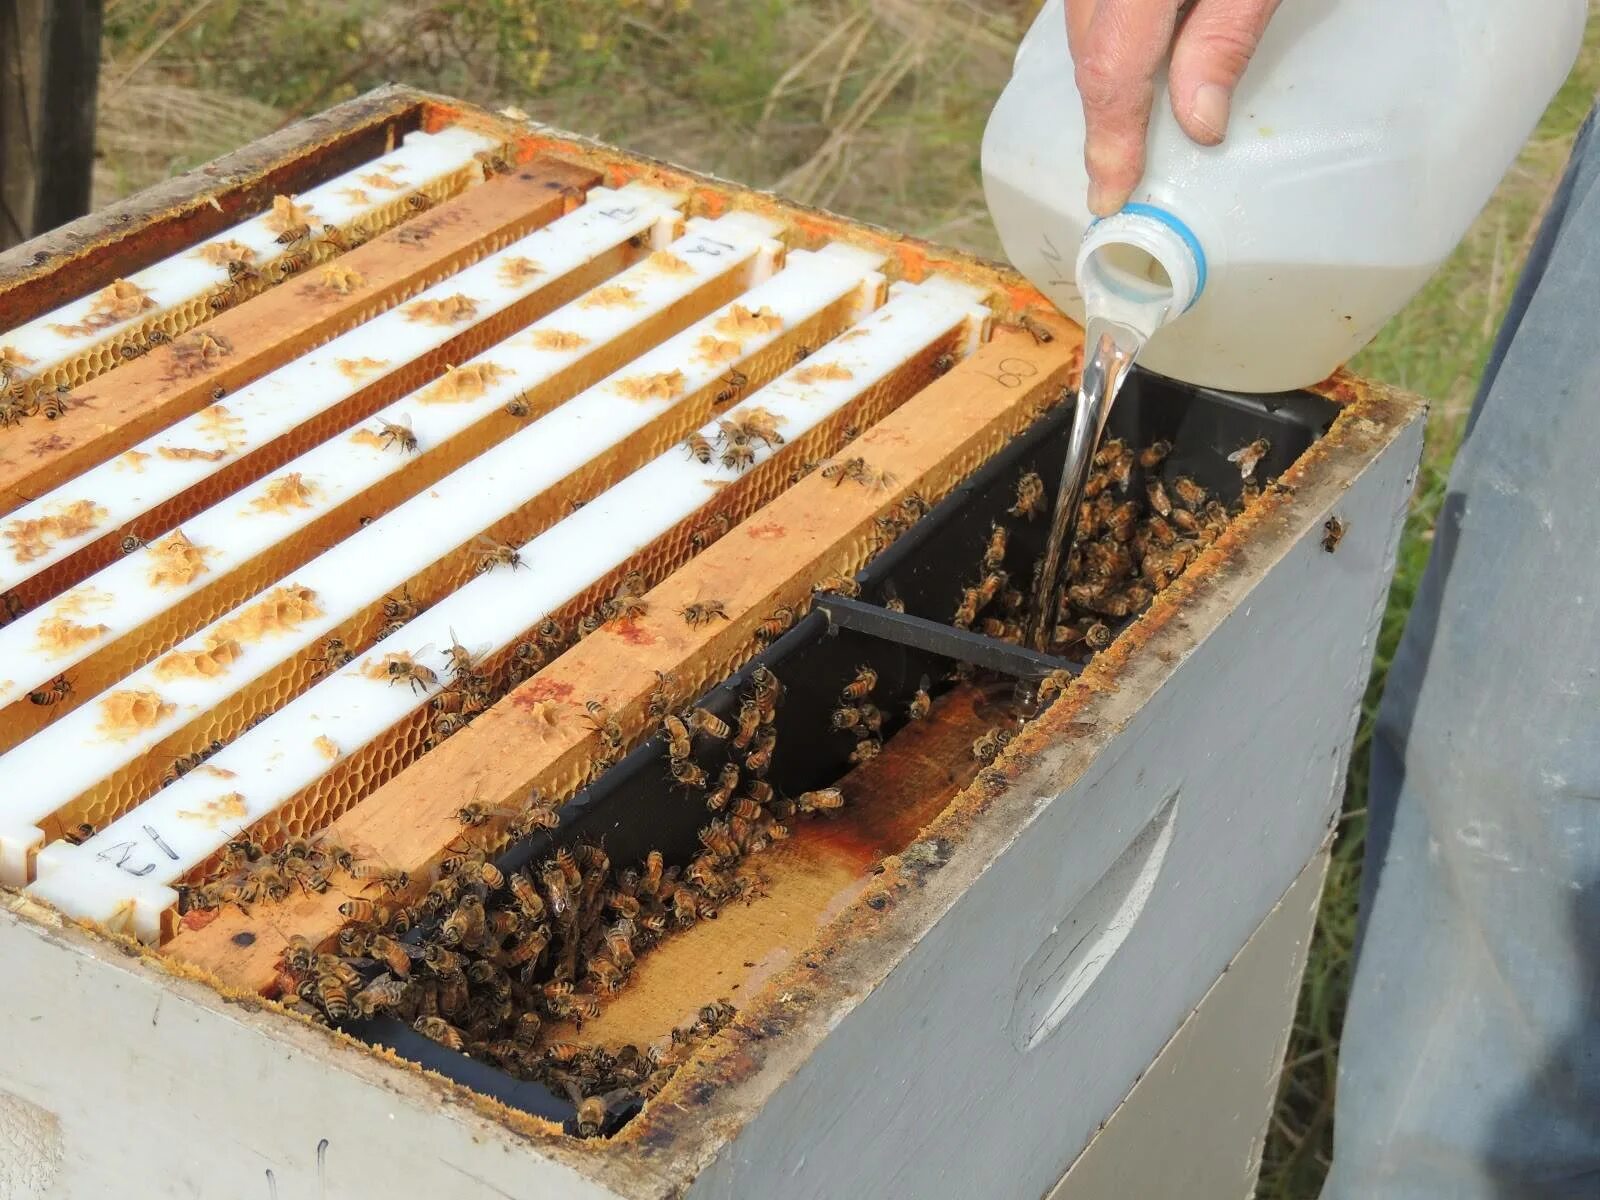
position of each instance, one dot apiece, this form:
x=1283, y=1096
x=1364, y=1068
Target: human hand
x=1117, y=48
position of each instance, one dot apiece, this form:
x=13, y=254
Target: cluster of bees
x=18, y=401
x=248, y=873
x=1136, y=533
x=734, y=447
x=504, y=956
x=858, y=715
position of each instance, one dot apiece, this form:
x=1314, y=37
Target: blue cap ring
x=1179, y=228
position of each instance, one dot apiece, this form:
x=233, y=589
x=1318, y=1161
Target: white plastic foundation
x=81, y=750
x=190, y=275
x=119, y=598
x=121, y=876
x=191, y=451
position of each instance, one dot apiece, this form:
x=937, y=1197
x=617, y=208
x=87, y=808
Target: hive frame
x=117, y=618
x=121, y=875
x=159, y=482
x=174, y=703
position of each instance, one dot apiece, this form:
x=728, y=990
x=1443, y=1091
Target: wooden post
x=49, y=74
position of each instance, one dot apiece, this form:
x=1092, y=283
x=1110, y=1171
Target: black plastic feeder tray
x=1203, y=425
x=637, y=807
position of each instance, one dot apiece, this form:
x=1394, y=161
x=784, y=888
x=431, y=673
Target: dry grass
x=871, y=107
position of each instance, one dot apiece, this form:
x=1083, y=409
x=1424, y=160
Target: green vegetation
x=871, y=107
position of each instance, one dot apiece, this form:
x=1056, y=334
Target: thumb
x=1213, y=47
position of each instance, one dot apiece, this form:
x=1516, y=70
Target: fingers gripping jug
x=1365, y=137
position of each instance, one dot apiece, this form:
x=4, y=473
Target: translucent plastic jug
x=1365, y=137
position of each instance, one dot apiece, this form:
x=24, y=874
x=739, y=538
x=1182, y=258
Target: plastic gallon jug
x=1365, y=137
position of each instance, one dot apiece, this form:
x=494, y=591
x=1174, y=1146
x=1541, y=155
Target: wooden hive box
x=369, y=497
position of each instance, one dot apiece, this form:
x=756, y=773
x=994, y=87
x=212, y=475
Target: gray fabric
x=1470, y=1064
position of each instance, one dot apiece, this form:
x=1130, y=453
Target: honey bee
x=131, y=543
x=550, y=634
x=738, y=455
x=718, y=838
x=749, y=720
x=366, y=912
x=466, y=925
x=703, y=612
x=459, y=659
x=441, y=1031
x=699, y=447
x=563, y=1001
x=185, y=763
x=527, y=949
x=1041, y=334
x=768, y=687
x=519, y=407
x=441, y=960
x=591, y=1116
x=398, y=435
x=57, y=690
x=334, y=655
x=709, y=532
x=921, y=702
x=618, y=942
x=776, y=625
x=866, y=750
x=819, y=801
x=842, y=469
x=1030, y=497
x=687, y=773
x=55, y=404
x=1332, y=534
x=414, y=673
x=801, y=353
x=603, y=975
x=678, y=744
x=1247, y=458
x=733, y=383
x=1156, y=493
x=627, y=601
x=841, y=585
x=417, y=202
x=654, y=873
x=1190, y=494
x=476, y=813
x=492, y=554
x=292, y=264
x=704, y=721
x=557, y=892
x=845, y=717
x=382, y=993
x=967, y=610
x=861, y=686
x=291, y=235
x=526, y=896
x=727, y=780
x=1097, y=636
x=1126, y=601
x=944, y=364
x=759, y=760
x=395, y=955
x=994, y=553
x=493, y=163
x=661, y=696
x=987, y=747
x=1153, y=455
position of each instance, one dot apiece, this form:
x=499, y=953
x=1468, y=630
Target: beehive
x=455, y=390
